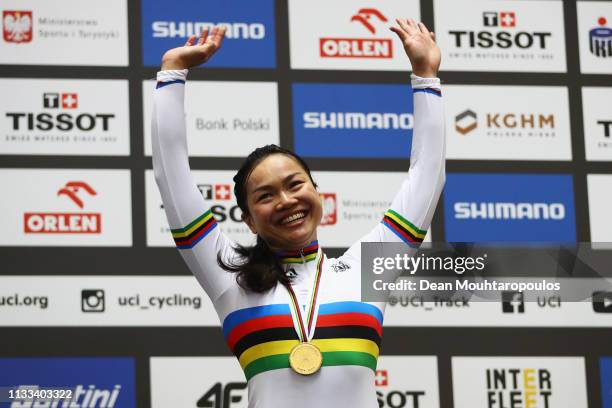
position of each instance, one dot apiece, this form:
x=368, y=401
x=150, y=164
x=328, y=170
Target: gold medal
x=305, y=358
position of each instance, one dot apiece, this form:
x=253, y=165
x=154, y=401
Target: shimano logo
x=358, y=120
x=509, y=211
x=184, y=29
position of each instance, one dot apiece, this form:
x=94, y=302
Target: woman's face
x=284, y=206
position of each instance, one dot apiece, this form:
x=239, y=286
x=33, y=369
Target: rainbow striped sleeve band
x=190, y=235
x=403, y=228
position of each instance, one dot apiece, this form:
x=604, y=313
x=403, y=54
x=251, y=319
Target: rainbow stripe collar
x=306, y=254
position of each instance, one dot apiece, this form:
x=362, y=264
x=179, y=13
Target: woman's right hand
x=193, y=54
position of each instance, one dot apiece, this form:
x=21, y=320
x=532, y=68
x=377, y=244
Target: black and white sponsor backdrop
x=115, y=286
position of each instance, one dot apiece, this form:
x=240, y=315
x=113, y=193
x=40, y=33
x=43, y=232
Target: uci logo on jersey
x=249, y=39
x=353, y=120
x=509, y=207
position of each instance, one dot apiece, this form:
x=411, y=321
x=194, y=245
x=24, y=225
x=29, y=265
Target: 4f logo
x=364, y=15
x=72, y=189
x=17, y=26
x=501, y=19
x=67, y=100
x=219, y=396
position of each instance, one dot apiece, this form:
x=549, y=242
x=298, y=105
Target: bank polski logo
x=352, y=120
x=249, y=39
x=509, y=207
x=369, y=47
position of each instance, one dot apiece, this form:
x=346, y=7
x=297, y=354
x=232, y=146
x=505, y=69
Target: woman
x=292, y=316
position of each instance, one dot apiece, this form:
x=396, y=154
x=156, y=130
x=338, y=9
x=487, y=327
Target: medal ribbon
x=305, y=333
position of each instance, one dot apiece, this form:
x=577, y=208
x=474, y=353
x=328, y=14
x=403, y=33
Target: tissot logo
x=369, y=18
x=17, y=26
x=500, y=38
x=329, y=208
x=65, y=121
x=502, y=207
x=66, y=223
x=600, y=39
x=392, y=396
x=216, y=191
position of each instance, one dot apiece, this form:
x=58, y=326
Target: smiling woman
x=293, y=317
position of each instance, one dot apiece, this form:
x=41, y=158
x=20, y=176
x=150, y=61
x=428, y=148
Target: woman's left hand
x=420, y=46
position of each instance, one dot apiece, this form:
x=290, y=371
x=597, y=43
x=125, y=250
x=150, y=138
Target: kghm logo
x=600, y=39
x=357, y=120
x=62, y=121
x=395, y=398
x=509, y=211
x=359, y=47
x=17, y=26
x=508, y=123
x=66, y=223
x=518, y=387
x=185, y=29
x=496, y=34
x=328, y=201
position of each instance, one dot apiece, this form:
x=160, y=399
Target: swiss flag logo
x=223, y=192
x=381, y=379
x=507, y=19
x=70, y=101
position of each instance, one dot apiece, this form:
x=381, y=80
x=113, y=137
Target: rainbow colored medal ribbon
x=305, y=358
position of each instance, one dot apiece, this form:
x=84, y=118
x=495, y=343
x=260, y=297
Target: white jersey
x=258, y=327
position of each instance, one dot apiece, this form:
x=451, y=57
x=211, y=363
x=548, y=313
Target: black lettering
x=605, y=123
x=458, y=35
x=64, y=122
x=235, y=214
x=81, y=126
x=504, y=39
x=485, y=39
x=218, y=212
x=44, y=121
x=522, y=44
x=542, y=37
x=16, y=117
x=105, y=119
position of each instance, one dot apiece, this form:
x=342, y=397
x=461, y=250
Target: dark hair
x=257, y=269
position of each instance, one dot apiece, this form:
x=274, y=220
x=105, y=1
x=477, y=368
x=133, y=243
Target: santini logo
x=358, y=120
x=184, y=29
x=512, y=211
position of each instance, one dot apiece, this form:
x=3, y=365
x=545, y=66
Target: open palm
x=420, y=46
x=194, y=53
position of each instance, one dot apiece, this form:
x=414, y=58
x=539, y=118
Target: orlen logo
x=329, y=203
x=66, y=223
x=185, y=29
x=56, y=118
x=395, y=398
x=507, y=123
x=497, y=34
x=600, y=39
x=17, y=26
x=359, y=47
